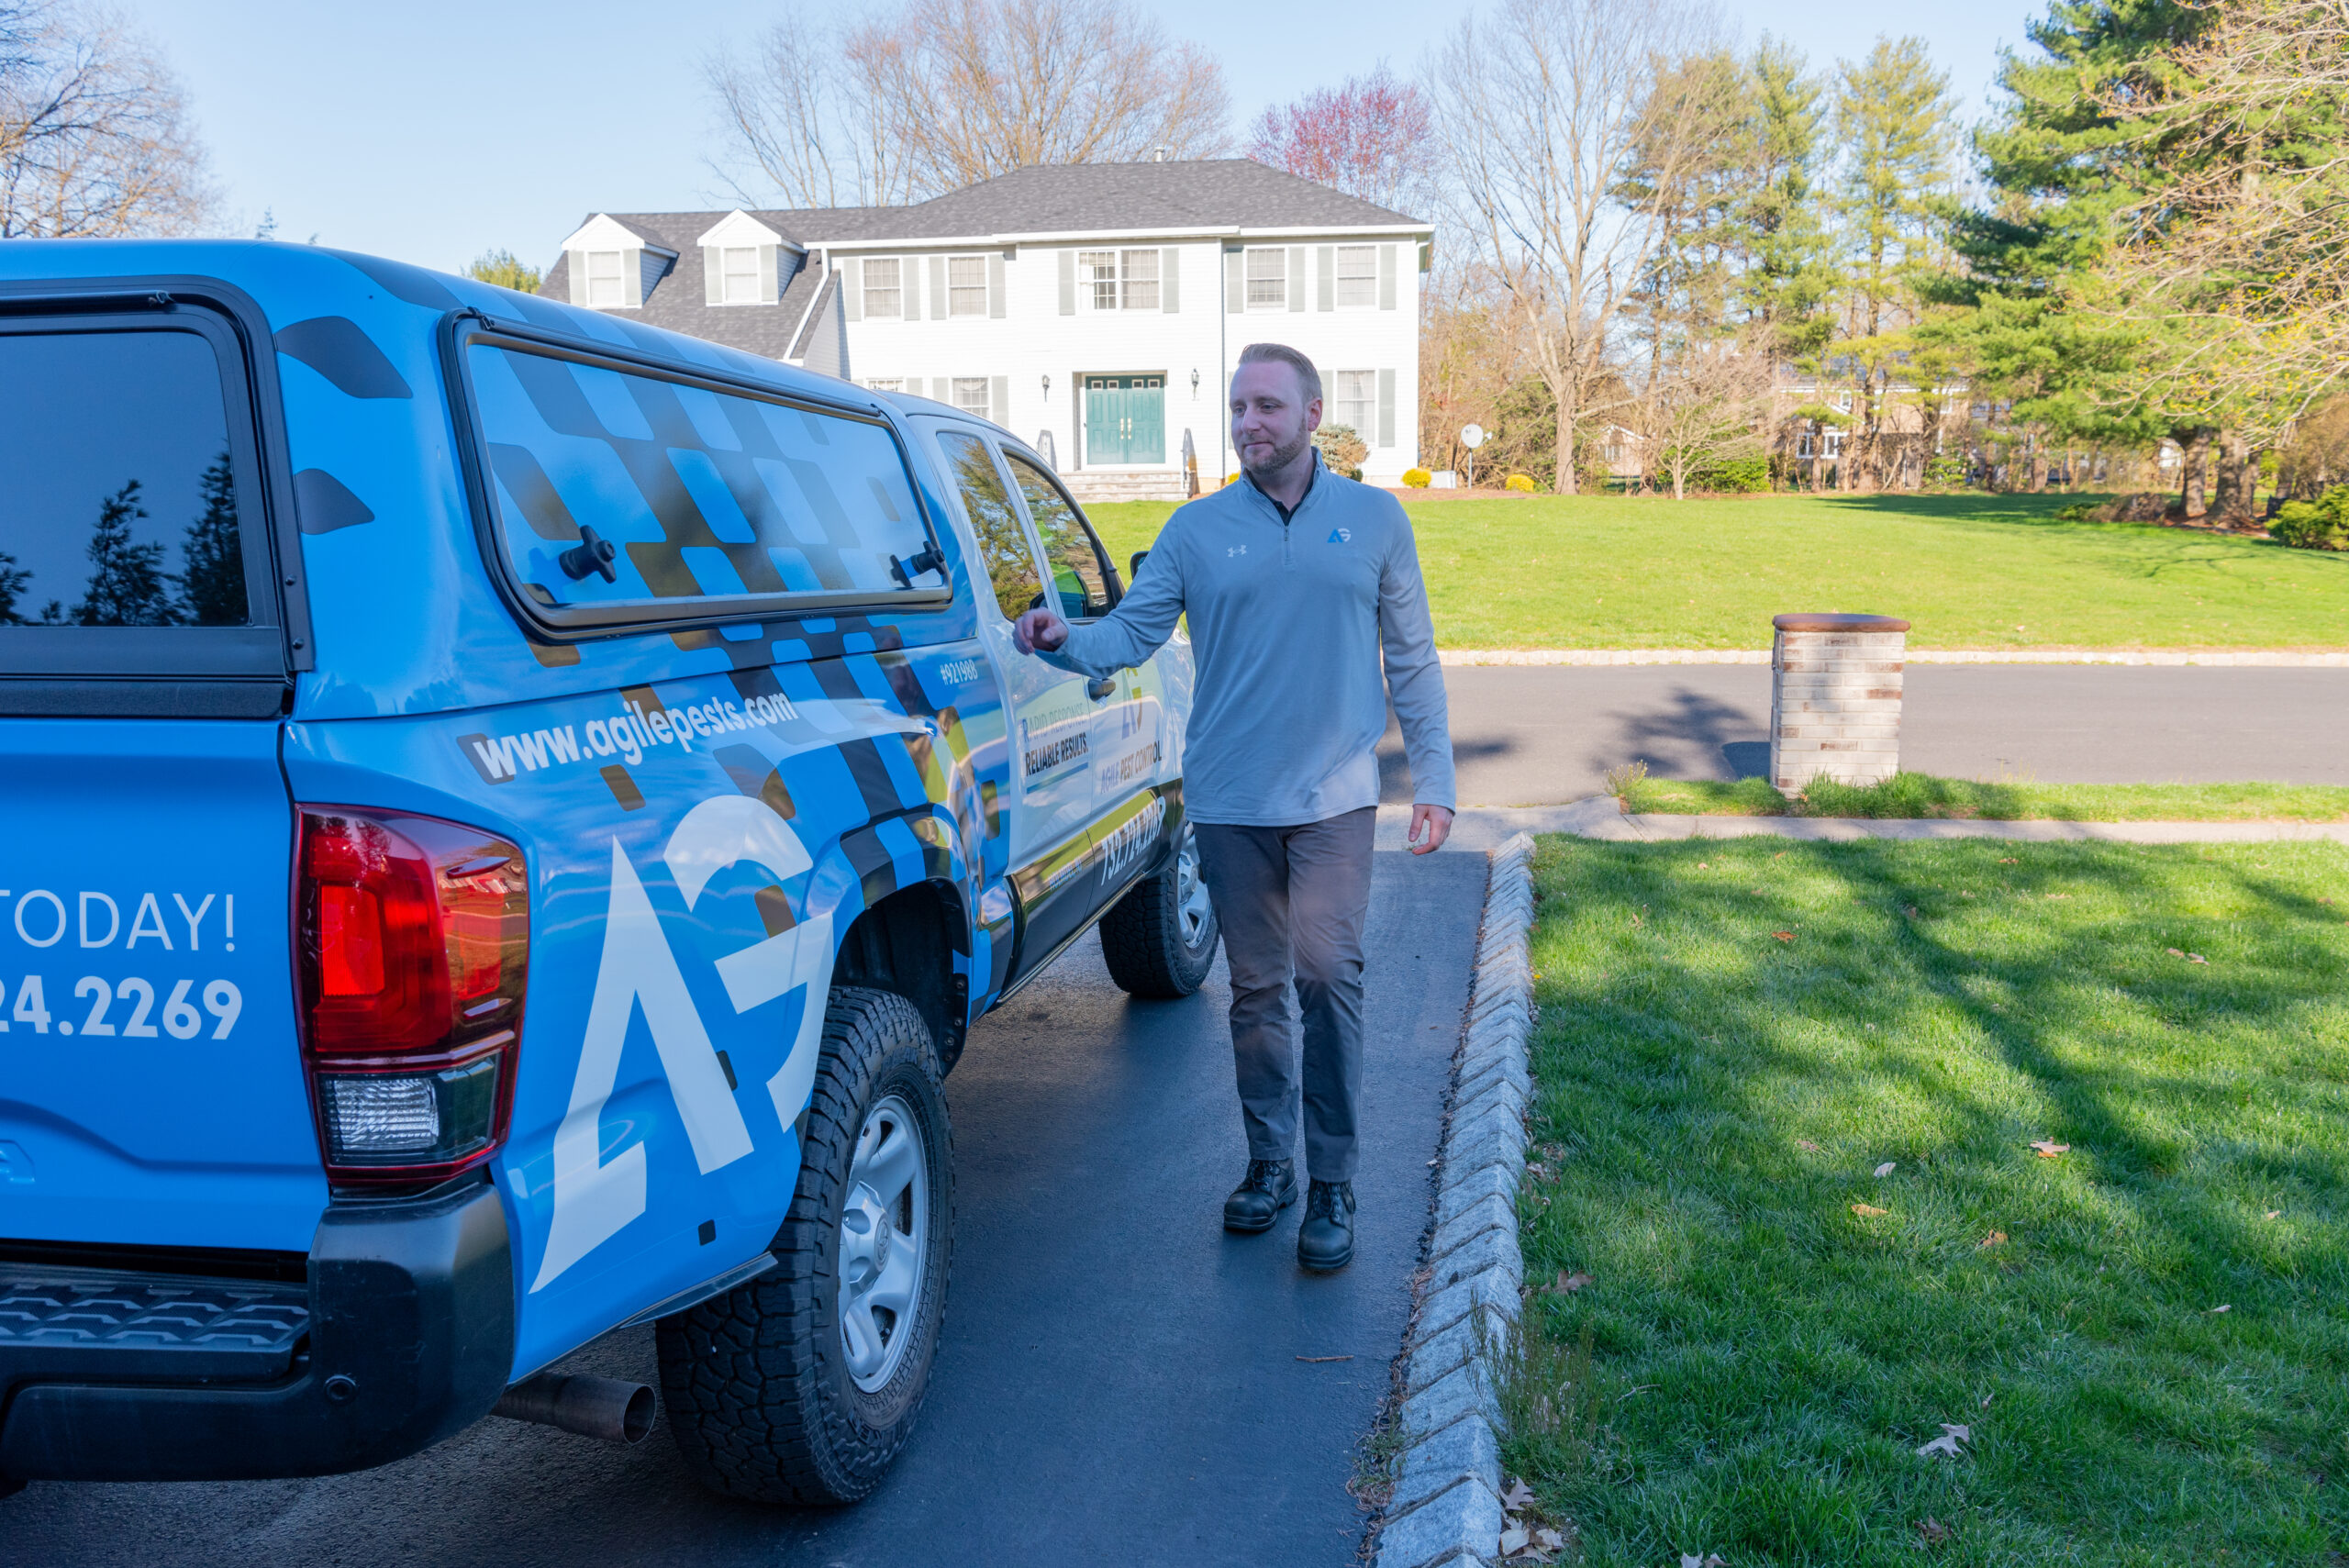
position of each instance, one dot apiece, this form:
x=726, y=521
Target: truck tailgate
x=152, y=1088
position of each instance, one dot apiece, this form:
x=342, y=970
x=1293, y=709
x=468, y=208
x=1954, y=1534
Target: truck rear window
x=719, y=502
x=117, y=486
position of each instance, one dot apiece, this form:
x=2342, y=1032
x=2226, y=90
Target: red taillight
x=415, y=947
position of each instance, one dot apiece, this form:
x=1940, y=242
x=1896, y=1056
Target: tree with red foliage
x=1370, y=136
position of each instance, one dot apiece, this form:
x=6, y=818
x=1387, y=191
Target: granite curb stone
x=1445, y=1507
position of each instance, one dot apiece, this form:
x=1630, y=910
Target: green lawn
x=1923, y=794
x=2147, y=1335
x=1970, y=570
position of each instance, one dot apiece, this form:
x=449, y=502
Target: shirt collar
x=1312, y=478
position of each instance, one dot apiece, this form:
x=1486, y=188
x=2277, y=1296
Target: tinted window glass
x=1078, y=579
x=996, y=522
x=118, y=497
x=708, y=495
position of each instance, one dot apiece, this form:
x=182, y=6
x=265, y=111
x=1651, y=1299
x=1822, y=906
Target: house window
x=1141, y=267
x=967, y=285
x=740, y=264
x=885, y=383
x=1356, y=404
x=1357, y=277
x=604, y=279
x=1100, y=275
x=971, y=394
x=884, y=293
x=1267, y=278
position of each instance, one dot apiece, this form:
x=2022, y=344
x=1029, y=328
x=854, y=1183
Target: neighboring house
x=1095, y=309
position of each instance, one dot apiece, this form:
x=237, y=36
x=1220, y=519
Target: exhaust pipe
x=602, y=1407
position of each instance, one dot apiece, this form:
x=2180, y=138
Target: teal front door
x=1125, y=420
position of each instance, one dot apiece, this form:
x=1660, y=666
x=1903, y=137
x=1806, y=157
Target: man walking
x=1293, y=580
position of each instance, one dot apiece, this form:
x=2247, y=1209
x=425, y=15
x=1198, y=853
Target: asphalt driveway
x=1120, y=1381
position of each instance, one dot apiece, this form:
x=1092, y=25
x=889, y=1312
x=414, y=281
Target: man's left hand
x=1435, y=821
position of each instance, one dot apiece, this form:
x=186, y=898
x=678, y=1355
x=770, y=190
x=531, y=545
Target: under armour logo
x=1341, y=536
x=1237, y=549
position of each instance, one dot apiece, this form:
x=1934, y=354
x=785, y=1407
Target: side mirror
x=1134, y=564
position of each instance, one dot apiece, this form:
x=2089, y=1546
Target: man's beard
x=1282, y=456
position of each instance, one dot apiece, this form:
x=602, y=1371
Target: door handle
x=1101, y=688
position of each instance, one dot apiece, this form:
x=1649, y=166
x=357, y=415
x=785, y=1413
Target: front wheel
x=1160, y=937
x=802, y=1386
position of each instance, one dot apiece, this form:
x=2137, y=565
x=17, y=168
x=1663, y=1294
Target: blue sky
x=433, y=131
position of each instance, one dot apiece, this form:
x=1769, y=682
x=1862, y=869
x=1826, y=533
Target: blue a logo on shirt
x=1341, y=536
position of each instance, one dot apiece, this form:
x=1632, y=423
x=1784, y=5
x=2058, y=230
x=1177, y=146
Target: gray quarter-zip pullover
x=1287, y=623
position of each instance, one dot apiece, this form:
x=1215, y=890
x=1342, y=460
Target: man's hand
x=1435, y=821
x=1041, y=628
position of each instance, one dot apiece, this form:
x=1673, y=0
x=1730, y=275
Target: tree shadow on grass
x=1798, y=1351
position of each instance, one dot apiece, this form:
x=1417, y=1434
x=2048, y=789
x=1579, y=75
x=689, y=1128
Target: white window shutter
x=1386, y=284
x=575, y=263
x=909, y=288
x=1235, y=282
x=1068, y=283
x=713, y=274
x=1386, y=402
x=770, y=286
x=852, y=288
x=1326, y=262
x=938, y=288
x=1297, y=277
x=1170, y=276
x=941, y=388
x=999, y=401
x=996, y=305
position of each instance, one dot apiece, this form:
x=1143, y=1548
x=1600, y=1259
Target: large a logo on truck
x=595, y=1197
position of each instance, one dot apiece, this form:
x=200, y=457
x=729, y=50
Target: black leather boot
x=1269, y=1187
x=1325, y=1240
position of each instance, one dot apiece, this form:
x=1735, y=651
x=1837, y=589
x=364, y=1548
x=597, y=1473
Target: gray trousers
x=1292, y=901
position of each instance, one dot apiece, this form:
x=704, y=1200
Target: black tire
x=761, y=1398
x=1160, y=937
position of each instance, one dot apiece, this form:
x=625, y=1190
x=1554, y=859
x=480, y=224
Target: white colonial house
x=1094, y=310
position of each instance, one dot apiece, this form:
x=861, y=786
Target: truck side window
x=1079, y=580
x=117, y=493
x=996, y=522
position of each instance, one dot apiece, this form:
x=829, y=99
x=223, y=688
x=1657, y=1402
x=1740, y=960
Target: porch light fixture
x=1194, y=383
x=1048, y=383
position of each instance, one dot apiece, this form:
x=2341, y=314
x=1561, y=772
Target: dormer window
x=605, y=277
x=742, y=273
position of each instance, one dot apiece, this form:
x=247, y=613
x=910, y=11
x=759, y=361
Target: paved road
x=1119, y=1381
x=1539, y=735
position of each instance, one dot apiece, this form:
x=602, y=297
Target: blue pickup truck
x=511, y=816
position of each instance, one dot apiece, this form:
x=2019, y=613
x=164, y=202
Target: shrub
x=1946, y=472
x=2079, y=512
x=2320, y=524
x=1735, y=476
x=1417, y=478
x=1521, y=483
x=1343, y=450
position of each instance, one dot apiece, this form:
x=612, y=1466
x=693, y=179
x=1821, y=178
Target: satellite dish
x=1472, y=437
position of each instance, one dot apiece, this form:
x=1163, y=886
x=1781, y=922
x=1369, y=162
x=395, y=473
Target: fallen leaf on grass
x=1996, y=1238
x=2048, y=1150
x=1868, y=1209
x=1910, y=910
x=2059, y=895
x=1567, y=1283
x=2006, y=859
x=2224, y=1307
x=2275, y=1214
x=1515, y=1538
x=1933, y=1529
x=1784, y=935
x=2177, y=952
x=1887, y=1167
x=1946, y=1444
x=1711, y=1560
x=1518, y=1497
x=1806, y=1143
x=2196, y=958
x=1325, y=1358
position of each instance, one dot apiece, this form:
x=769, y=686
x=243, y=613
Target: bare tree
x=1709, y=406
x=947, y=93
x=1540, y=114
x=94, y=137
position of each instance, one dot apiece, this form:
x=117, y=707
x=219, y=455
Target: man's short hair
x=1308, y=378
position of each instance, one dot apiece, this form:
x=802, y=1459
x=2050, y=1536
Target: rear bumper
x=404, y=1335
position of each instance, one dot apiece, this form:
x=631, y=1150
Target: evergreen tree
x=212, y=579
x=1893, y=197
x=13, y=579
x=128, y=585
x=1789, y=272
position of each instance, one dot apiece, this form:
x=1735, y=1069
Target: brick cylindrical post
x=1835, y=698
